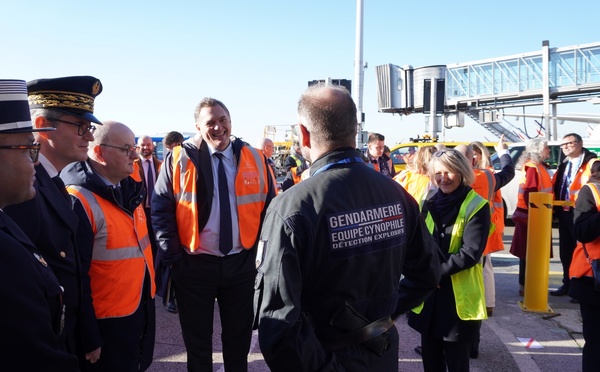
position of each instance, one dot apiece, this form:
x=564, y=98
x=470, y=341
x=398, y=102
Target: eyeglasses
x=34, y=150
x=439, y=153
x=82, y=129
x=570, y=143
x=127, y=149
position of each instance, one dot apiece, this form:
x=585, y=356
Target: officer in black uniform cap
x=49, y=219
x=31, y=315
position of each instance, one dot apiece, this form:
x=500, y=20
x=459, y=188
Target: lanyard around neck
x=354, y=159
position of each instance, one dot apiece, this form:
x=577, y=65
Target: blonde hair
x=456, y=163
x=423, y=158
x=486, y=159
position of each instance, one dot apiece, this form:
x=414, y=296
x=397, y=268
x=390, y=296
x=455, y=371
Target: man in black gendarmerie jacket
x=332, y=251
x=31, y=310
x=49, y=220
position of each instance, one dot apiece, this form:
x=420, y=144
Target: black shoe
x=172, y=307
x=561, y=291
x=474, y=350
x=574, y=301
x=419, y=350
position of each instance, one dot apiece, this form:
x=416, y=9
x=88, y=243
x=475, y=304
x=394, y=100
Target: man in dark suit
x=207, y=208
x=148, y=166
x=66, y=104
x=31, y=311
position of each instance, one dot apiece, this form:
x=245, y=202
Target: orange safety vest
x=580, y=266
x=495, y=241
x=136, y=174
x=580, y=179
x=484, y=185
x=544, y=182
x=295, y=177
x=251, y=190
x=121, y=255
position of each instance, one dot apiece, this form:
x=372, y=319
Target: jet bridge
x=482, y=89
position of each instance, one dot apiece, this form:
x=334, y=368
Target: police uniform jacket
x=80, y=174
x=30, y=315
x=51, y=224
x=345, y=235
x=439, y=318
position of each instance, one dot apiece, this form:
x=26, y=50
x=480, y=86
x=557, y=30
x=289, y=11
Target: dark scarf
x=444, y=207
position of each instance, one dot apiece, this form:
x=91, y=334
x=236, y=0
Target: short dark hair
x=577, y=136
x=173, y=138
x=376, y=137
x=209, y=102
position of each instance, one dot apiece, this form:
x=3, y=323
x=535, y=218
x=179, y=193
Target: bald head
x=145, y=146
x=266, y=146
x=113, y=151
x=111, y=131
x=467, y=151
x=329, y=115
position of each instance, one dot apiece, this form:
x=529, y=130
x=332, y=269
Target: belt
x=366, y=333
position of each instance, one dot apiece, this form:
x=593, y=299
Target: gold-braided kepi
x=73, y=95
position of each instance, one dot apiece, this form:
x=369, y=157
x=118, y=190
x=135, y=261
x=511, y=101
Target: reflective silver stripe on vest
x=491, y=184
x=473, y=206
x=185, y=196
x=260, y=196
x=100, y=252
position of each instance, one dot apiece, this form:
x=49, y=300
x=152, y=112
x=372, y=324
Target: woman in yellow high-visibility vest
x=459, y=220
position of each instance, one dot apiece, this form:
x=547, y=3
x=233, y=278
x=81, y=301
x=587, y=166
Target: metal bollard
x=539, y=243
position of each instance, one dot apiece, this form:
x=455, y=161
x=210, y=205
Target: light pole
x=357, y=87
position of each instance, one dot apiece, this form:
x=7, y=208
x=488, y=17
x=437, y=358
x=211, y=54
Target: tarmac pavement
x=511, y=340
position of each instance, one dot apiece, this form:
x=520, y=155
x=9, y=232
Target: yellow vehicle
x=282, y=144
x=400, y=150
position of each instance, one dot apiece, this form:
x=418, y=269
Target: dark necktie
x=225, y=234
x=61, y=187
x=149, y=184
x=564, y=190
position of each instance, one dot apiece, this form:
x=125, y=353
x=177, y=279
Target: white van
x=511, y=190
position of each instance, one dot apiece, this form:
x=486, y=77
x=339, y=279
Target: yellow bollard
x=539, y=243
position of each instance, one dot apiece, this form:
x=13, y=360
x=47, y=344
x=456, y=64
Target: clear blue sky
x=157, y=59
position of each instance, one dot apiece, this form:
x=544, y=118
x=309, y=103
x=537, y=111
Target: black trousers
x=198, y=281
x=441, y=356
x=566, y=241
x=128, y=341
x=591, y=335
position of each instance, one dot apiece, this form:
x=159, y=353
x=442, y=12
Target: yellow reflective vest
x=251, y=189
x=467, y=285
x=121, y=255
